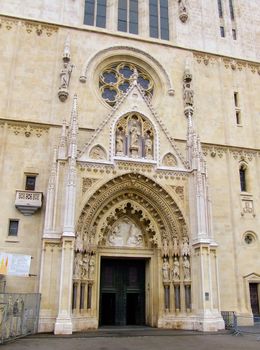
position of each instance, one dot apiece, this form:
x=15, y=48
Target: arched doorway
x=131, y=248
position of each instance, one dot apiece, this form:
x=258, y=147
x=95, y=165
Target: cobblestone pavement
x=139, y=339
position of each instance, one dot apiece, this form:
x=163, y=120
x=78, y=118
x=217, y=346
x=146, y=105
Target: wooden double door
x=122, y=292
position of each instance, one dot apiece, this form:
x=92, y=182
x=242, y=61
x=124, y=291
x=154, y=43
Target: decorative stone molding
x=228, y=62
x=8, y=23
x=204, y=58
x=214, y=151
x=243, y=155
x=39, y=29
x=27, y=129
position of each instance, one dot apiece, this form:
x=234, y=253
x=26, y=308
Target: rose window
x=115, y=80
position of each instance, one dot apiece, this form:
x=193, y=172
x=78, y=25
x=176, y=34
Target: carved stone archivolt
x=134, y=137
x=136, y=203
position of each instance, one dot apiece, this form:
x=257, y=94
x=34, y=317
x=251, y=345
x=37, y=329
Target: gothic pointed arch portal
x=132, y=217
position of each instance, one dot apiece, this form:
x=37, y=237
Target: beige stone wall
x=200, y=31
x=29, y=71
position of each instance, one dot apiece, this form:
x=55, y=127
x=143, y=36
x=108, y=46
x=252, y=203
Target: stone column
x=63, y=324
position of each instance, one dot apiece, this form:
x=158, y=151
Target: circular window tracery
x=115, y=80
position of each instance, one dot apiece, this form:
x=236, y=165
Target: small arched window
x=243, y=177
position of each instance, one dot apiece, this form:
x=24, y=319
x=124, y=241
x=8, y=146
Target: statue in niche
x=186, y=268
x=115, y=238
x=65, y=75
x=119, y=143
x=135, y=238
x=176, y=269
x=185, y=249
x=78, y=243
x=85, y=266
x=135, y=134
x=175, y=248
x=166, y=270
x=165, y=248
x=92, y=267
x=148, y=147
x=77, y=266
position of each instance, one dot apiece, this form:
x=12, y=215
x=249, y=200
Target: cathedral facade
x=130, y=160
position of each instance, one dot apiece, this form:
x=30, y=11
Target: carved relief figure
x=92, y=267
x=148, y=146
x=135, y=133
x=175, y=248
x=165, y=270
x=185, y=249
x=120, y=143
x=77, y=266
x=186, y=268
x=169, y=160
x=85, y=266
x=176, y=269
x=135, y=238
x=65, y=75
x=115, y=238
x=165, y=248
x=188, y=94
x=78, y=243
x=97, y=153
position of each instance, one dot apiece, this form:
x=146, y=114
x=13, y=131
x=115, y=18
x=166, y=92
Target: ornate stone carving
x=187, y=89
x=183, y=10
x=40, y=28
x=185, y=249
x=165, y=270
x=135, y=190
x=27, y=129
x=97, y=152
x=244, y=155
x=165, y=248
x=169, y=160
x=125, y=233
x=176, y=270
x=186, y=268
x=175, y=247
x=134, y=137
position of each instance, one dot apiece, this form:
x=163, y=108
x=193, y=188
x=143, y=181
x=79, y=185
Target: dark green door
x=122, y=292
